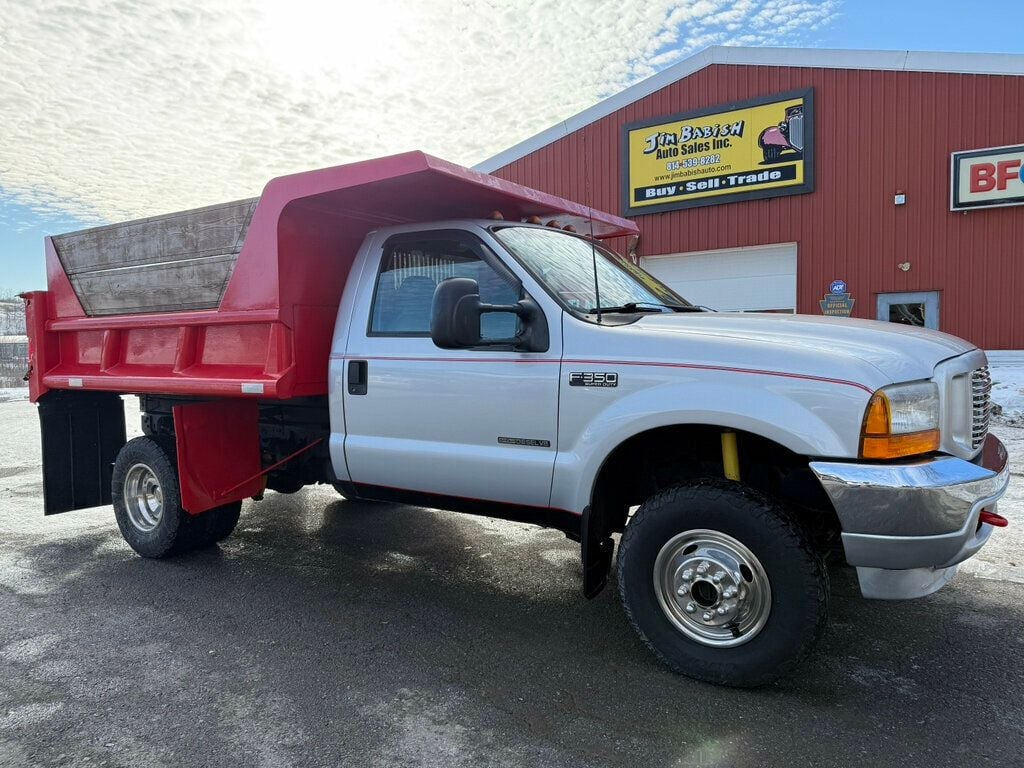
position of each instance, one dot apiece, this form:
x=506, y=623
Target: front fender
x=810, y=418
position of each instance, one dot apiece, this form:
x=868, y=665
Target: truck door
x=473, y=423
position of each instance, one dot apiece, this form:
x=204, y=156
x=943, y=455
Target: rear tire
x=722, y=584
x=215, y=525
x=147, y=500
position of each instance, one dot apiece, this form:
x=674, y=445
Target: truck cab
x=513, y=364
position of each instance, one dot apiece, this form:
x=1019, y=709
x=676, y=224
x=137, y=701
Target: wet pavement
x=327, y=632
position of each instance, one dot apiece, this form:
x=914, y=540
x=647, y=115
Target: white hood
x=899, y=352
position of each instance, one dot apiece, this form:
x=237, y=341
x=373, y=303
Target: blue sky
x=22, y=229
x=994, y=26
x=166, y=105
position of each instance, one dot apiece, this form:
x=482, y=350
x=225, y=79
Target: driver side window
x=410, y=271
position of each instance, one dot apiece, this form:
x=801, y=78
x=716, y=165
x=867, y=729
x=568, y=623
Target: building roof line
x=818, y=58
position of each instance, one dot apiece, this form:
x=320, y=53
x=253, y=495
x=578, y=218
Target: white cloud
x=115, y=110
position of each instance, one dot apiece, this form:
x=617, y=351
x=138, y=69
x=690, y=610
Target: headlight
x=901, y=420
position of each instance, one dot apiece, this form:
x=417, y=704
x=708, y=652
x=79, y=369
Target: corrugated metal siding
x=876, y=133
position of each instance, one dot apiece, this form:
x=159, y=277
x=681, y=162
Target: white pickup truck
x=524, y=371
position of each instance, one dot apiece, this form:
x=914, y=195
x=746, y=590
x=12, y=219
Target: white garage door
x=761, y=278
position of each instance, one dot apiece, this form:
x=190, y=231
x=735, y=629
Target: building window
x=920, y=308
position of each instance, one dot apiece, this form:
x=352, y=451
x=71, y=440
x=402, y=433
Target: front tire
x=147, y=500
x=722, y=584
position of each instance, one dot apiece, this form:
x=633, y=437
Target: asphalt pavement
x=328, y=632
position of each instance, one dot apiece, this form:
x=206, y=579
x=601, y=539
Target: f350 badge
x=593, y=379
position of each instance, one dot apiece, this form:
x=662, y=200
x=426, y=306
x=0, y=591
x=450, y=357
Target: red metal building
x=866, y=140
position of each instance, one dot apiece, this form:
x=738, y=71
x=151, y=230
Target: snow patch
x=8, y=394
x=1008, y=389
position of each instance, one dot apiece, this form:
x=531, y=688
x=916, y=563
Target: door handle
x=357, y=377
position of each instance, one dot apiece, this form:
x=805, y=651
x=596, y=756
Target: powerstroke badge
x=593, y=379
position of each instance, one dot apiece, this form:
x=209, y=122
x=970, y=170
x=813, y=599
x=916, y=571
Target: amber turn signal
x=878, y=420
x=895, y=446
x=879, y=442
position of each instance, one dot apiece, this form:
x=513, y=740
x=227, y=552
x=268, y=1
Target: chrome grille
x=981, y=405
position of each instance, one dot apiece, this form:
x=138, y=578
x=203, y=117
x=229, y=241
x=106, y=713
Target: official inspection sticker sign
x=744, y=151
x=838, y=302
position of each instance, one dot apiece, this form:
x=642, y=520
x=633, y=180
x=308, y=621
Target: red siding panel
x=876, y=133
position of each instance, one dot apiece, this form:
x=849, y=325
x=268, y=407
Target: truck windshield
x=565, y=264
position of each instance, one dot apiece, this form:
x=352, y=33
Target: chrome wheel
x=143, y=499
x=712, y=588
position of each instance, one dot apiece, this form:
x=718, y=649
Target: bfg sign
x=985, y=178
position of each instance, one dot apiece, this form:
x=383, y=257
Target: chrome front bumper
x=907, y=526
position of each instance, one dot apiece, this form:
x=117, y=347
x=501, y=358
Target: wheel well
x=285, y=427
x=659, y=458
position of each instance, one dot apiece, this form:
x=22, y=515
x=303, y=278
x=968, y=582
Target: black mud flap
x=82, y=433
x=597, y=549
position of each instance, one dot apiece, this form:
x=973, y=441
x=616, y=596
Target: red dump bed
x=240, y=299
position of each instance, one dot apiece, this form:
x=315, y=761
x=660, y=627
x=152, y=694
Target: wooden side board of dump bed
x=166, y=263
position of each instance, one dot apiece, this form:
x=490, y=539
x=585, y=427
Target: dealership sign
x=984, y=178
x=745, y=151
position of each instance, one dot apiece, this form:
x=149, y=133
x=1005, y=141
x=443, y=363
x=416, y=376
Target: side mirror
x=455, y=319
x=455, y=314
